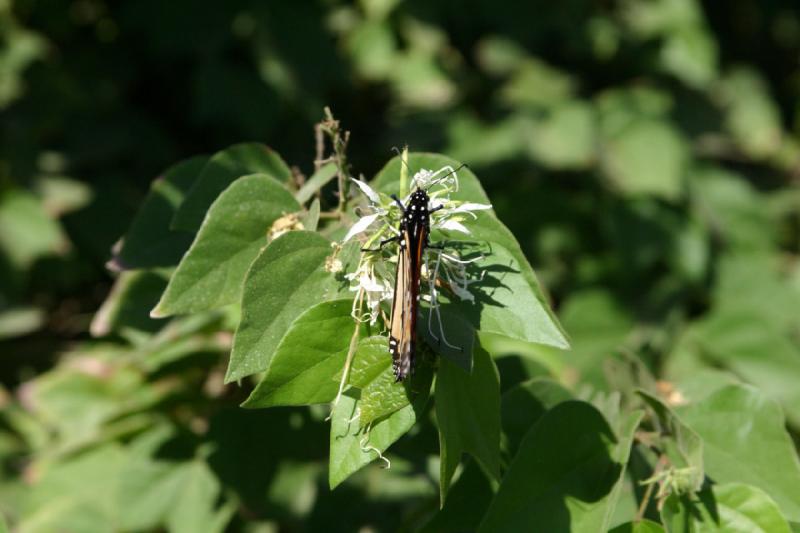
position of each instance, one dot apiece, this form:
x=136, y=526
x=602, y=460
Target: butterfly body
x=414, y=230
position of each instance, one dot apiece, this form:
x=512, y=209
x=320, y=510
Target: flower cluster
x=381, y=221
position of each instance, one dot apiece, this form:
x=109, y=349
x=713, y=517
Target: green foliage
x=205, y=372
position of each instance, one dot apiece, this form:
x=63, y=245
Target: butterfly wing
x=403, y=326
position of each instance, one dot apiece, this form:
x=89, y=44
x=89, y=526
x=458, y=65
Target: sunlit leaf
x=211, y=273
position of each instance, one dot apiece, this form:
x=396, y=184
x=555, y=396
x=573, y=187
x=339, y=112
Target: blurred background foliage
x=646, y=153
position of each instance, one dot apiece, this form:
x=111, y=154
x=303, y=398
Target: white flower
x=369, y=286
x=454, y=225
x=368, y=191
x=361, y=225
x=382, y=221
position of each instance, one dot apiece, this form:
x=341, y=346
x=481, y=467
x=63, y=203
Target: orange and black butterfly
x=413, y=238
x=414, y=231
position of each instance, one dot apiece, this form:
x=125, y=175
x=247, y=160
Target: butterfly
x=414, y=232
x=412, y=236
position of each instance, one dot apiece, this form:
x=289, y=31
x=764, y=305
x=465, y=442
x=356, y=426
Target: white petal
x=454, y=225
x=362, y=224
x=370, y=285
x=469, y=206
x=367, y=190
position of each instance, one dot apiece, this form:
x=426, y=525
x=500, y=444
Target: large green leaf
x=286, y=279
x=149, y=241
x=211, y=273
x=472, y=492
x=566, y=475
x=353, y=446
x=305, y=364
x=739, y=508
x=468, y=416
x=222, y=169
x=510, y=301
x=745, y=440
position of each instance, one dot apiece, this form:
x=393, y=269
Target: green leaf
x=512, y=302
x=676, y=514
x=524, y=404
x=466, y=503
x=27, y=232
x=310, y=219
x=455, y=329
x=682, y=445
x=597, y=325
x=644, y=526
x=732, y=206
x=753, y=346
x=149, y=241
x=508, y=300
x=381, y=395
x=648, y=157
x=19, y=321
x=353, y=446
x=745, y=440
x=127, y=308
x=286, y=279
x=566, y=475
x=211, y=273
x=691, y=54
x=315, y=183
x=740, y=508
x=194, y=506
x=222, y=169
x=566, y=137
x=753, y=119
x=305, y=364
x=468, y=416
x=77, y=494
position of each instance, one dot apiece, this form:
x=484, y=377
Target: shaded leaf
x=566, y=475
x=468, y=416
x=745, y=440
x=149, y=241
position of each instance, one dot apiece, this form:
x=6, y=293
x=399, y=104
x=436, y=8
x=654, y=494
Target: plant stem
x=404, y=173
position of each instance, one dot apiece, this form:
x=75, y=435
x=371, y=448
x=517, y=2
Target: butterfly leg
x=399, y=203
x=383, y=243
